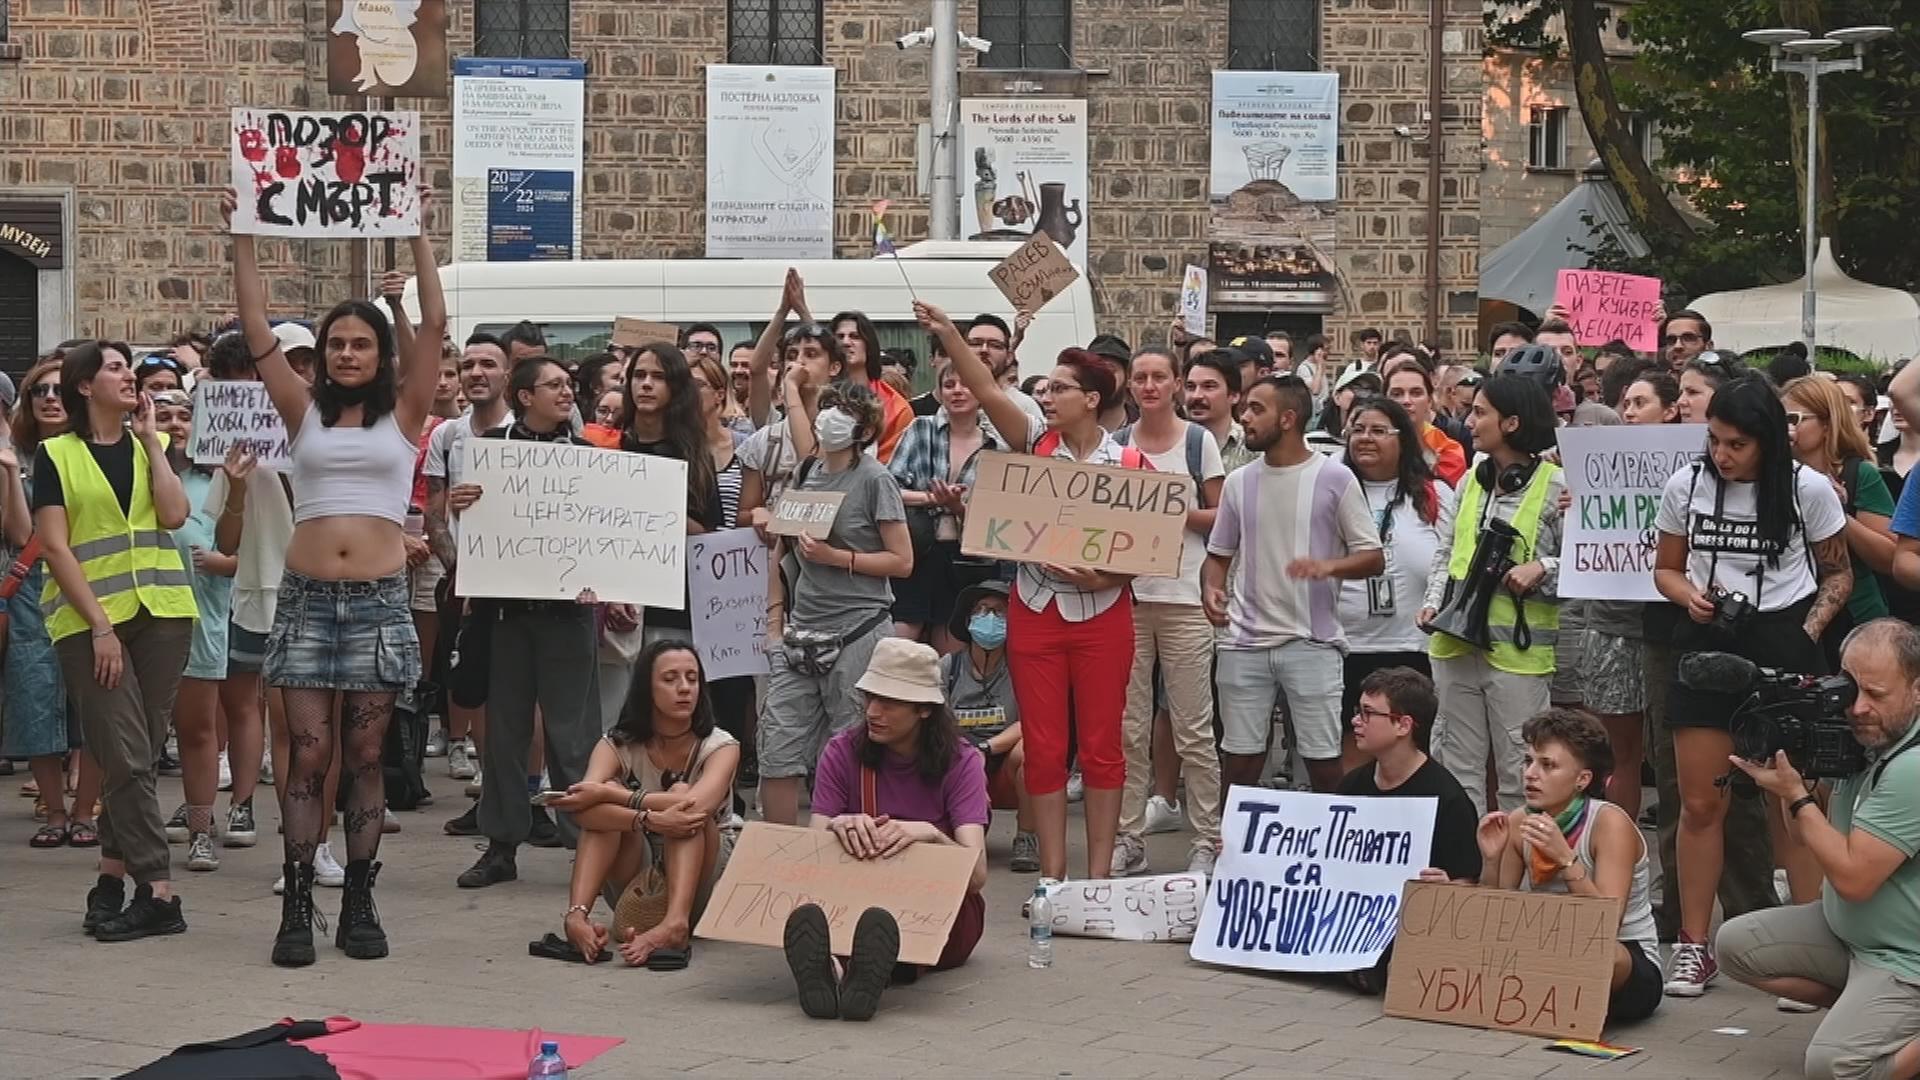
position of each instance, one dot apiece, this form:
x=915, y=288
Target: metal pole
x=1807, y=299
x=944, y=204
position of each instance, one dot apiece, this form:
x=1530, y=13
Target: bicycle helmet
x=1540, y=363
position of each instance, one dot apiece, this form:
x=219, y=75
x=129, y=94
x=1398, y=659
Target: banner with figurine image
x=1274, y=188
x=1023, y=171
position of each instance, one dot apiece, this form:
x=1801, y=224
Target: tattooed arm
x=439, y=536
x=1835, y=571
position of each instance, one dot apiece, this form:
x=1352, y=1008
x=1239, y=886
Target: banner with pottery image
x=769, y=162
x=1274, y=188
x=1023, y=170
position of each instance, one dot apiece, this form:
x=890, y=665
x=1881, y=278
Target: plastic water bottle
x=1040, y=929
x=548, y=1064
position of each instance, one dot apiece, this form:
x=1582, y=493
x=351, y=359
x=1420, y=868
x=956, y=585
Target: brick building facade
x=118, y=111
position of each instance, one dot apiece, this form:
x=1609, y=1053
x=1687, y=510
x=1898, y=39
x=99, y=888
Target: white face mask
x=834, y=429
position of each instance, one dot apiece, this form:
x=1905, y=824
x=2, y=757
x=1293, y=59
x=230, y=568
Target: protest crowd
x=1367, y=601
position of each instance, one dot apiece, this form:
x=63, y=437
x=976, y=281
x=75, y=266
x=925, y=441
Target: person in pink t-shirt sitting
x=904, y=777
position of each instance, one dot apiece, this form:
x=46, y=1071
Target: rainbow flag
x=1584, y=1048
x=882, y=239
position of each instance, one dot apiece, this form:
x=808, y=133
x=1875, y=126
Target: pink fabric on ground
x=418, y=1052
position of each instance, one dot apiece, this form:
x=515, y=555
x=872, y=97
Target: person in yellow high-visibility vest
x=120, y=612
x=1487, y=694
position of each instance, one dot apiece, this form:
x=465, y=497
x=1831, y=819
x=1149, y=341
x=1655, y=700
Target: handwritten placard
x=1161, y=908
x=806, y=513
x=635, y=333
x=727, y=600
x=326, y=173
x=1193, y=301
x=233, y=412
x=776, y=868
x=1311, y=882
x=1026, y=508
x=1034, y=274
x=1615, y=476
x=554, y=519
x=1602, y=305
x=1535, y=963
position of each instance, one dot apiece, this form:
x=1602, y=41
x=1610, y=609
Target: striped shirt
x=1270, y=516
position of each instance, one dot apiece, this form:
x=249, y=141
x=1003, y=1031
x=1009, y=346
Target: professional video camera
x=1804, y=715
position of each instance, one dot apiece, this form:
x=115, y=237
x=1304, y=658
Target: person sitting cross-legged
x=653, y=813
x=904, y=777
x=1568, y=839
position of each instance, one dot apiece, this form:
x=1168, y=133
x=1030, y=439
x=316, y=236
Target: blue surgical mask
x=988, y=629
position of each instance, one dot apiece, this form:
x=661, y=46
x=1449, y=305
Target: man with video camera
x=1856, y=952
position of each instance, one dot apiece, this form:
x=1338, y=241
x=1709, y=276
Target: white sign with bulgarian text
x=1615, y=476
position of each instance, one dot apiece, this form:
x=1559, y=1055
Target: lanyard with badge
x=1380, y=586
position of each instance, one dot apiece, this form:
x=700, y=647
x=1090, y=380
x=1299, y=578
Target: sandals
x=670, y=958
x=83, y=834
x=555, y=947
x=48, y=836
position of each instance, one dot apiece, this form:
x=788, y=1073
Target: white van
x=575, y=302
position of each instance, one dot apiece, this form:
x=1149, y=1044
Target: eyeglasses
x=988, y=343
x=1795, y=419
x=606, y=414
x=1372, y=431
x=1370, y=715
x=1061, y=387
x=710, y=347
x=1686, y=337
x=554, y=384
x=45, y=390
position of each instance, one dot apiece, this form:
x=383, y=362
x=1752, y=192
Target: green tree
x=1733, y=133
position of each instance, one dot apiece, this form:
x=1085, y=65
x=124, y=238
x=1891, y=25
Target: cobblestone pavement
x=70, y=1007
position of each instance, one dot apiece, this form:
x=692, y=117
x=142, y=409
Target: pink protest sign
x=1602, y=305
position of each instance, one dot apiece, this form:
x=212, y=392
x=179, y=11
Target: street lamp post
x=1797, y=52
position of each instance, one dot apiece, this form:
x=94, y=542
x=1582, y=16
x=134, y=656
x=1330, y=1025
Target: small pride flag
x=882, y=239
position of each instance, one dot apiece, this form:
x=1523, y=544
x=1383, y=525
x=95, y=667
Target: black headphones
x=1507, y=481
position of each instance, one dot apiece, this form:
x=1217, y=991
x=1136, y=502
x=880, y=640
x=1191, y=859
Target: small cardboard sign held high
x=1033, y=275
x=1537, y=963
x=637, y=333
x=776, y=868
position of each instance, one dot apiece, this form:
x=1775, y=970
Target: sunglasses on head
x=806, y=331
x=154, y=360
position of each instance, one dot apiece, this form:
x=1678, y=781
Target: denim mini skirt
x=343, y=635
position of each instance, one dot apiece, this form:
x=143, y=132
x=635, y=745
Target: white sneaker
x=1129, y=855
x=226, y=773
x=1788, y=1005
x=1783, y=888
x=472, y=790
x=327, y=871
x=266, y=764
x=1076, y=786
x=460, y=760
x=1201, y=862
x=1162, y=816
x=436, y=743
x=280, y=885
x=177, y=831
x=389, y=823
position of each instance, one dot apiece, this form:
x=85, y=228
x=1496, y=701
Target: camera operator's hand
x=1778, y=777
x=1700, y=607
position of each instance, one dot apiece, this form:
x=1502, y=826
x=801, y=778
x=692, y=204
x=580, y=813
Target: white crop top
x=343, y=471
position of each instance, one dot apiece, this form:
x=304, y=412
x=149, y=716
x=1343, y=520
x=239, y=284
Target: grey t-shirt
x=829, y=598
x=984, y=707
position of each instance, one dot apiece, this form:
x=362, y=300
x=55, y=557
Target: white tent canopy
x=1866, y=320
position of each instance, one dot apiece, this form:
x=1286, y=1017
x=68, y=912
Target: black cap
x=1252, y=347
x=1111, y=347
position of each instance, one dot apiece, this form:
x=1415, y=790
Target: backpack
x=403, y=756
x=1196, y=454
